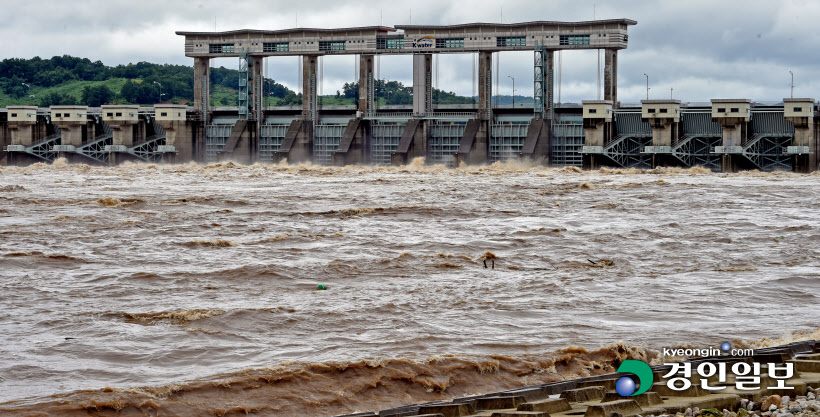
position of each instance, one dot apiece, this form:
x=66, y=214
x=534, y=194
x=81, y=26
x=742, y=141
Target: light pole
x=792, y=83
x=647, y=86
x=160, y=90
x=513, y=80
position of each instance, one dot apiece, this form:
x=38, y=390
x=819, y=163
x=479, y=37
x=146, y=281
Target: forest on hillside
x=65, y=79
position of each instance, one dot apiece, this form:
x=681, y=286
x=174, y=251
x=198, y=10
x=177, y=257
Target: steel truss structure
x=633, y=134
x=700, y=135
x=770, y=133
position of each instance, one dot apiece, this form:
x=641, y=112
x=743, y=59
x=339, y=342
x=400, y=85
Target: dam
x=723, y=135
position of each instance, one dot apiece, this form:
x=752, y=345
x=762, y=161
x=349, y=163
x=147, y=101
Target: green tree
x=57, y=99
x=97, y=96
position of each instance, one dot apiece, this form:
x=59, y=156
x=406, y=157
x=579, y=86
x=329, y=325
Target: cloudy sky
x=701, y=48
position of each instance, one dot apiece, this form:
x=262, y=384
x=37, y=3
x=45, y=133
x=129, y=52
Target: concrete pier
x=202, y=86
x=126, y=130
x=611, y=76
x=664, y=116
x=310, y=83
x=178, y=132
x=21, y=121
x=367, y=84
x=598, y=131
x=75, y=128
x=734, y=115
x=806, y=146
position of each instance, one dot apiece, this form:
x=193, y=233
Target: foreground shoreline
x=441, y=383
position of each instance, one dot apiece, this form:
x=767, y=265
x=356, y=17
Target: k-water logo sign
x=424, y=42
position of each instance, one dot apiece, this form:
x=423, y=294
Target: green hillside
x=71, y=80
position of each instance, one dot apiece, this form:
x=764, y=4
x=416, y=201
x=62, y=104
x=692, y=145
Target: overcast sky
x=702, y=48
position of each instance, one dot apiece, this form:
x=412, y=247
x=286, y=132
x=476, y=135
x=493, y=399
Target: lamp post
x=792, y=83
x=513, y=81
x=647, y=86
x=160, y=90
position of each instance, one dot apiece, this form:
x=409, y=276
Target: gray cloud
x=702, y=49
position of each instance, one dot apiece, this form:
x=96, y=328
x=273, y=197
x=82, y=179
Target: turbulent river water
x=192, y=290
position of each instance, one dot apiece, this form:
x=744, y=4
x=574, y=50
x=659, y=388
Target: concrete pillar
x=611, y=76
x=598, y=128
x=5, y=139
x=21, y=124
x=734, y=115
x=422, y=84
x=178, y=132
x=485, y=85
x=664, y=117
x=805, y=148
x=549, y=85
x=310, y=87
x=367, y=84
x=256, y=92
x=73, y=124
x=121, y=119
x=202, y=86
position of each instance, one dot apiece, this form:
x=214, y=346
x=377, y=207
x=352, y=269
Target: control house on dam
x=726, y=134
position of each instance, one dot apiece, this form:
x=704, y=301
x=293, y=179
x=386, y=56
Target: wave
x=330, y=388
x=417, y=165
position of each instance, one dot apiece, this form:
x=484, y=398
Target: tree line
x=146, y=83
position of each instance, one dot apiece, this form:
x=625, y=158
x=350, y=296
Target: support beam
x=422, y=84
x=413, y=142
x=474, y=147
x=354, y=146
x=310, y=87
x=367, y=84
x=611, y=76
x=257, y=94
x=538, y=144
x=543, y=77
x=298, y=143
x=202, y=86
x=485, y=85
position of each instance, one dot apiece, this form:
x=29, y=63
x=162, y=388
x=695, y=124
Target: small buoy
x=321, y=287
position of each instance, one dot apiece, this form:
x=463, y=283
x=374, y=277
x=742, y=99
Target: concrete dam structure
x=723, y=135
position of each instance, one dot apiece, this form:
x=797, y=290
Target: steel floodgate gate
x=507, y=139
x=384, y=140
x=216, y=136
x=444, y=140
x=270, y=139
x=325, y=141
x=567, y=140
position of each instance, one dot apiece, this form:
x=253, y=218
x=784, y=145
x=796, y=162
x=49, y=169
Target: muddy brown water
x=191, y=290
